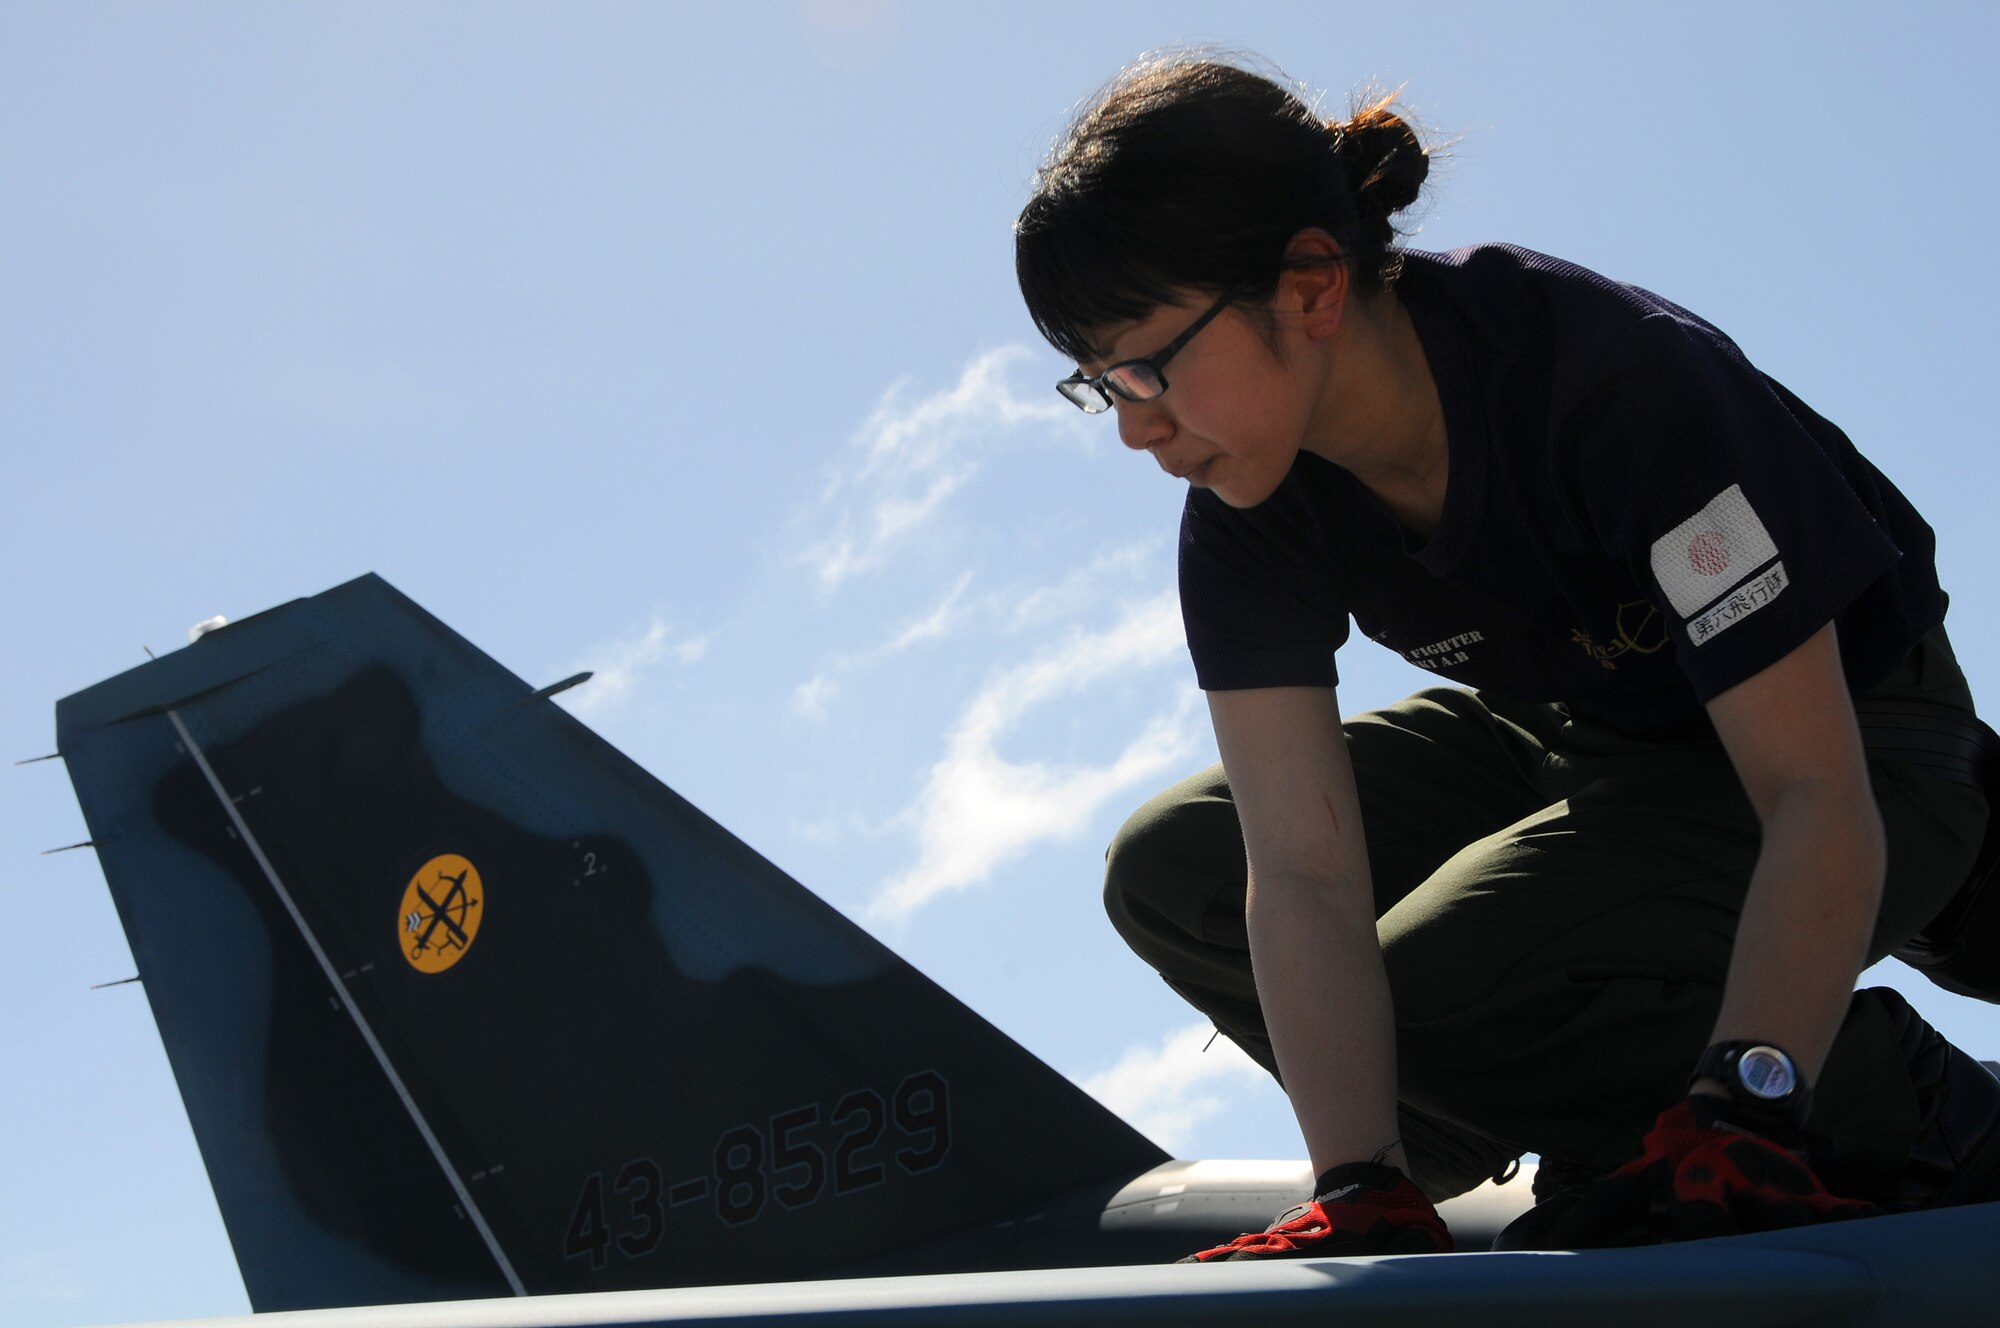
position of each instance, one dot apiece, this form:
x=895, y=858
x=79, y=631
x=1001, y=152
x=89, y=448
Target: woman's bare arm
x=1791, y=733
x=1311, y=913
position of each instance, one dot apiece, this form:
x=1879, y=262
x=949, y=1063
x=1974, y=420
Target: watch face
x=1767, y=1073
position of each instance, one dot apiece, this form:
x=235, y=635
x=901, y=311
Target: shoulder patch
x=1712, y=552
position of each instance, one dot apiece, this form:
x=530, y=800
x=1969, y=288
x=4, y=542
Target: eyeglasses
x=1135, y=380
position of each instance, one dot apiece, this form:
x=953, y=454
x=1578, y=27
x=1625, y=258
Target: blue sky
x=682, y=343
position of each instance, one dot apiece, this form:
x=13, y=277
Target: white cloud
x=810, y=699
x=1167, y=1089
x=978, y=809
x=1081, y=588
x=910, y=456
x=617, y=666
x=934, y=625
x=41, y=1275
x=825, y=832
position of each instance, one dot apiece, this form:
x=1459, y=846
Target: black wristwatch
x=1760, y=1078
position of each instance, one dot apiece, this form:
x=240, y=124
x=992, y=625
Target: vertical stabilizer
x=462, y=1002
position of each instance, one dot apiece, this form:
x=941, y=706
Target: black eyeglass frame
x=1092, y=396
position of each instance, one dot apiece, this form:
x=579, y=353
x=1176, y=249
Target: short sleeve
x=1737, y=508
x=1258, y=593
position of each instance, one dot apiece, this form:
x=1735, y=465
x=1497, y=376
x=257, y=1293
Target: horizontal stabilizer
x=1922, y=1268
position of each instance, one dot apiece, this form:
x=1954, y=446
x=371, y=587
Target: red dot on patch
x=1708, y=553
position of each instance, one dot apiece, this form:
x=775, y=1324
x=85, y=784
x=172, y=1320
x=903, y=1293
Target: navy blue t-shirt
x=1635, y=518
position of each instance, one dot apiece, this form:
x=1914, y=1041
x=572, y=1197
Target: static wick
x=87, y=843
x=100, y=986
x=573, y=680
x=52, y=756
x=148, y=649
x=1211, y=1039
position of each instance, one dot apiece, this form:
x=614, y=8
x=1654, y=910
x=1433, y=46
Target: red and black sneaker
x=1360, y=1208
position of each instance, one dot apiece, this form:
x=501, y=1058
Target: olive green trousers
x=1557, y=904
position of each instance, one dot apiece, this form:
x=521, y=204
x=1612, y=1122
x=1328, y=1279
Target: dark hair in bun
x=1386, y=165
x=1193, y=174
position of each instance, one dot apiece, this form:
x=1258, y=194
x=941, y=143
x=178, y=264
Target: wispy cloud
x=811, y=698
x=913, y=453
x=978, y=809
x=38, y=1277
x=617, y=666
x=1168, y=1088
x=1082, y=588
x=824, y=832
x=933, y=625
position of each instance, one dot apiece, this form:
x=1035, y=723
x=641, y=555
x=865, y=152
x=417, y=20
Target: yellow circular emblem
x=442, y=907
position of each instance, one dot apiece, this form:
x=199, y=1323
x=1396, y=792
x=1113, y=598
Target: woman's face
x=1234, y=413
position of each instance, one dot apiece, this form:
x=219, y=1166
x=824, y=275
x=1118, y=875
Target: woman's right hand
x=1360, y=1208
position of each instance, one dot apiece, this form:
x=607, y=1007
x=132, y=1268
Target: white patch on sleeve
x=1712, y=552
x=1739, y=604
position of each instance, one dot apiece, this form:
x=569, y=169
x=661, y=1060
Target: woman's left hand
x=1701, y=1172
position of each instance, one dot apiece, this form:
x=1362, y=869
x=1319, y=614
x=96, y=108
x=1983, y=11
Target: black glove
x=1702, y=1172
x=1361, y=1208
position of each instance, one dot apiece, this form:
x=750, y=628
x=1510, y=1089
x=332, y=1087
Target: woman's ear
x=1315, y=281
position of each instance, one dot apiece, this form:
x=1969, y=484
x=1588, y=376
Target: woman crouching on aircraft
x=1609, y=904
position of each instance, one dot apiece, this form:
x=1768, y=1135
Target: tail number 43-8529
x=755, y=1163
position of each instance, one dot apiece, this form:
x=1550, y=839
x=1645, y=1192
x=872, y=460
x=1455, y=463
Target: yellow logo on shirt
x=1637, y=628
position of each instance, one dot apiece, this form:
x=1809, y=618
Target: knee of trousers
x=1133, y=880
x=1167, y=889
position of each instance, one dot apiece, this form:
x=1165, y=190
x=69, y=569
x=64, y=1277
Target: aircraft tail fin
x=463, y=1002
